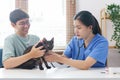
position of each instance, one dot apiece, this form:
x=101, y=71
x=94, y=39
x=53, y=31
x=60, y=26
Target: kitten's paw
x=48, y=67
x=41, y=68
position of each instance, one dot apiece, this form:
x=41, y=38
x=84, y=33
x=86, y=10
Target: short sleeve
x=100, y=52
x=8, y=50
x=68, y=50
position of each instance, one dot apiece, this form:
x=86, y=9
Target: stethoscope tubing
x=79, y=46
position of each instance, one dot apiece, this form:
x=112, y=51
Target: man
x=15, y=44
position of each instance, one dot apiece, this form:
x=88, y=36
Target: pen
x=116, y=72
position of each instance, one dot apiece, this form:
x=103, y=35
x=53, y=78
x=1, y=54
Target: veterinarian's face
x=80, y=30
x=22, y=27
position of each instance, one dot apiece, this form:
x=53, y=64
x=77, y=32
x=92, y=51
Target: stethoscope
x=79, y=46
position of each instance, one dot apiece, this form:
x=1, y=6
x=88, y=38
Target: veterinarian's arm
x=80, y=64
x=16, y=61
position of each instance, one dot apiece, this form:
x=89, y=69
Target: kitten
x=32, y=63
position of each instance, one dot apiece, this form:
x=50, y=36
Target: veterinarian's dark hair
x=88, y=19
x=17, y=15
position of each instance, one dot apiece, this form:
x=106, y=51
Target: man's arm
x=16, y=61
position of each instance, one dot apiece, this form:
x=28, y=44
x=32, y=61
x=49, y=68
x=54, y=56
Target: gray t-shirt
x=15, y=45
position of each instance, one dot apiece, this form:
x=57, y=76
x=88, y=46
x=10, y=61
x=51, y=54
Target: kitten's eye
x=47, y=45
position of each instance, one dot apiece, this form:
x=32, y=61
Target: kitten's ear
x=52, y=39
x=44, y=39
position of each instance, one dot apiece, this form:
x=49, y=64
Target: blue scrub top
x=97, y=49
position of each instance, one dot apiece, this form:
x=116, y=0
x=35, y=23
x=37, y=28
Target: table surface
x=58, y=74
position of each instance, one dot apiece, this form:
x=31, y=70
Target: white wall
x=95, y=6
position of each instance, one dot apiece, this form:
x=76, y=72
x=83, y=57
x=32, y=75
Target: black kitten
x=32, y=63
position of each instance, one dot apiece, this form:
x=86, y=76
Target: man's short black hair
x=17, y=15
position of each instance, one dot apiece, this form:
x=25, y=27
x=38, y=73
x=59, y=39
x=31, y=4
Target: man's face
x=22, y=26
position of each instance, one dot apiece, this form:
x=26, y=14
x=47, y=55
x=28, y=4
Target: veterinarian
x=15, y=44
x=88, y=48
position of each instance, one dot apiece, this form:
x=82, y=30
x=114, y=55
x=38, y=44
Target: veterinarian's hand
x=52, y=57
x=37, y=52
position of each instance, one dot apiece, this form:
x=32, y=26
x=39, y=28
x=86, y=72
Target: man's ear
x=13, y=24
